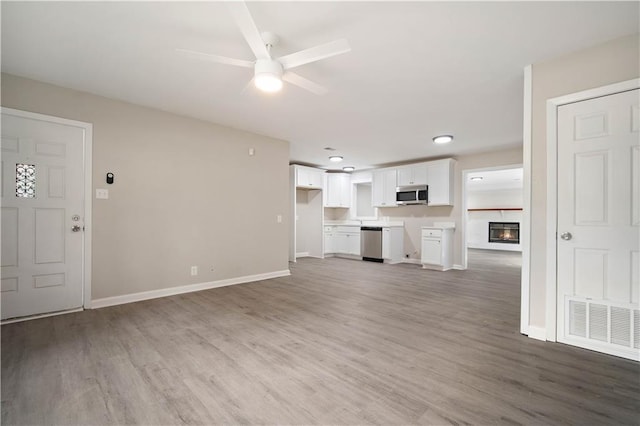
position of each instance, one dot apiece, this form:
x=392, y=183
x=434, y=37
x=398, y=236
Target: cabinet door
x=412, y=175
x=383, y=189
x=329, y=243
x=405, y=176
x=309, y=178
x=377, y=189
x=340, y=243
x=439, y=174
x=431, y=252
x=353, y=244
x=345, y=191
x=386, y=243
x=390, y=184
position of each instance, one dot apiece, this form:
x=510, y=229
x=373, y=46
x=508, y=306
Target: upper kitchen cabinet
x=440, y=181
x=414, y=174
x=338, y=190
x=308, y=177
x=383, y=191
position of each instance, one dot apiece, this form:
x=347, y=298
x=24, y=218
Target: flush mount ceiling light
x=442, y=139
x=476, y=178
x=348, y=168
x=335, y=158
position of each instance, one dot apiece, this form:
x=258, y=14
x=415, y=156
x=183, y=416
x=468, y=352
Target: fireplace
x=504, y=232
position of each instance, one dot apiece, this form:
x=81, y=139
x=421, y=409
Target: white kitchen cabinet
x=338, y=190
x=392, y=244
x=308, y=177
x=383, y=189
x=414, y=174
x=437, y=248
x=329, y=239
x=346, y=240
x=440, y=181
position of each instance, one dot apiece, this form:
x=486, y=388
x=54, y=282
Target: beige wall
x=185, y=193
x=415, y=217
x=612, y=62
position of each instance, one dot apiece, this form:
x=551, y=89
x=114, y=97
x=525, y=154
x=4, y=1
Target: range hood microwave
x=414, y=194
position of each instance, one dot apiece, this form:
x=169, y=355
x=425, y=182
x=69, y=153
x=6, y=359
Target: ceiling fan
x=269, y=72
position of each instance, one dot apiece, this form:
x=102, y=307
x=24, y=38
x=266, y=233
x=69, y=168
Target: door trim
x=87, y=129
x=552, y=185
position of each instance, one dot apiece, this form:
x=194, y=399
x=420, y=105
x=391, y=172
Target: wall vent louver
x=603, y=322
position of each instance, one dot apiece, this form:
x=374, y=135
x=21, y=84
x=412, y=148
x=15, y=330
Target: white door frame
x=552, y=187
x=87, y=129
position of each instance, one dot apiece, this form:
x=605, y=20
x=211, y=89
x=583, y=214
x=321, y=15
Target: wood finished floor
x=338, y=342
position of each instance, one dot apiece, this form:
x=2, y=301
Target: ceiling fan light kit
x=268, y=75
x=442, y=139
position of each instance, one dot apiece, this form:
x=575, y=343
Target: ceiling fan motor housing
x=268, y=66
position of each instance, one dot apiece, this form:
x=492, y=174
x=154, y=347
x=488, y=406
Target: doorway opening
x=493, y=215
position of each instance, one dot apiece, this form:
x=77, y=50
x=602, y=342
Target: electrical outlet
x=194, y=270
x=279, y=218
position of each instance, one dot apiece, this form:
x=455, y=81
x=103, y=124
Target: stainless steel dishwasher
x=371, y=243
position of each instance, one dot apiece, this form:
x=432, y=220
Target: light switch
x=102, y=194
x=279, y=218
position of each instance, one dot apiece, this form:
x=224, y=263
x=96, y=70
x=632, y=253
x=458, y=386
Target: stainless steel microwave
x=414, y=194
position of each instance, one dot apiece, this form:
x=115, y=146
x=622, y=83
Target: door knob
x=566, y=236
x=76, y=228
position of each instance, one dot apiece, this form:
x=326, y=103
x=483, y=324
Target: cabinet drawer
x=349, y=229
x=431, y=233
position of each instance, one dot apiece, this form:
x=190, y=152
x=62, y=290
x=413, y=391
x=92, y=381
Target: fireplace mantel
x=497, y=209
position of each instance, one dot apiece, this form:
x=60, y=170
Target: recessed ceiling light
x=335, y=158
x=443, y=139
x=348, y=168
x=476, y=178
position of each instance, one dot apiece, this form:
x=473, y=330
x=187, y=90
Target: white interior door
x=598, y=224
x=42, y=215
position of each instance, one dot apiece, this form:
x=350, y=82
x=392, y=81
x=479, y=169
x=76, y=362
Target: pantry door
x=598, y=228
x=44, y=213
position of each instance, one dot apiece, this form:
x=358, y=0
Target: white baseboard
x=154, y=294
x=412, y=261
x=302, y=254
x=538, y=333
x=458, y=267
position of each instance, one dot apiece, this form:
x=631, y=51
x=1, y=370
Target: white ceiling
x=495, y=179
x=416, y=69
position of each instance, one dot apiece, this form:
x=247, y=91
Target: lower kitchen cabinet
x=392, y=244
x=437, y=248
x=342, y=240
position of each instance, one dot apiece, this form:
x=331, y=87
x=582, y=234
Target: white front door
x=598, y=224
x=42, y=215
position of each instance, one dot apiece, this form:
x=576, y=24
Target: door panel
x=598, y=233
x=42, y=199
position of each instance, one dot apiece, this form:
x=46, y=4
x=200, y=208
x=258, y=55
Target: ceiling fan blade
x=313, y=54
x=243, y=18
x=300, y=81
x=217, y=58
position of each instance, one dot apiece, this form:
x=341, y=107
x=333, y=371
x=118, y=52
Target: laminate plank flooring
x=338, y=342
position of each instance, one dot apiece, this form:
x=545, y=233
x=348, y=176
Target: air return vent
x=603, y=321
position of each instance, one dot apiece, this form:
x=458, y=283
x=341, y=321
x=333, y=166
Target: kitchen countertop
x=383, y=224
x=441, y=225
